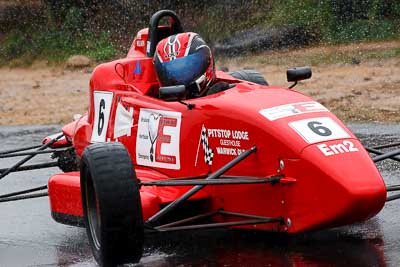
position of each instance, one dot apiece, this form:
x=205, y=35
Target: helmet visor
x=184, y=70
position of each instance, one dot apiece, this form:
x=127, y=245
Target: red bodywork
x=329, y=181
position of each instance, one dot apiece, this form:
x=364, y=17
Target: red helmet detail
x=184, y=59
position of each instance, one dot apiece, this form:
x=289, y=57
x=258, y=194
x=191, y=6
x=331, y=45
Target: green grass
x=55, y=43
x=55, y=46
x=312, y=58
x=365, y=20
x=362, y=30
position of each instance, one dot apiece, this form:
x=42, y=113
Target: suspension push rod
x=387, y=155
x=19, y=149
x=378, y=152
x=11, y=155
x=22, y=161
x=173, y=205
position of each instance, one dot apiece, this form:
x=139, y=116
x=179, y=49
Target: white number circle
x=320, y=129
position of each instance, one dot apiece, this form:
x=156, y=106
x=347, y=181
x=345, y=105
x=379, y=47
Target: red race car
x=252, y=156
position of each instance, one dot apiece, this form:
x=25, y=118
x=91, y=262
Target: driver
x=185, y=59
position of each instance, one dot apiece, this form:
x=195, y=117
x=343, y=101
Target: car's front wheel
x=111, y=204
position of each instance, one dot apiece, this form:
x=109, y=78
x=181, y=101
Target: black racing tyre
x=249, y=75
x=111, y=204
x=67, y=160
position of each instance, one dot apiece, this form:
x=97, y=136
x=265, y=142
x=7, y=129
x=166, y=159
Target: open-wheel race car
x=145, y=158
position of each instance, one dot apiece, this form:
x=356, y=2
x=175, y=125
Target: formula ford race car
x=253, y=156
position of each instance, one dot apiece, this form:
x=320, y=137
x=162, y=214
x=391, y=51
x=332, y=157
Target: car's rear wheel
x=111, y=204
x=249, y=75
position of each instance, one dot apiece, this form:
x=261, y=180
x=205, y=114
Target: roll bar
x=155, y=32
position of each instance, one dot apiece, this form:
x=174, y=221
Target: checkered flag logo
x=208, y=152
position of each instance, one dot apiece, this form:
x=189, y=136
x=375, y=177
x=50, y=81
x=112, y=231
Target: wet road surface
x=29, y=236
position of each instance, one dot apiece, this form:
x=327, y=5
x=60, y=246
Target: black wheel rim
x=93, y=213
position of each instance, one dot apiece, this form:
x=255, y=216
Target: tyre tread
x=250, y=76
x=117, y=190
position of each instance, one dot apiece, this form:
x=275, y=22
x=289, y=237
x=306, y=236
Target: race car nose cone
x=338, y=188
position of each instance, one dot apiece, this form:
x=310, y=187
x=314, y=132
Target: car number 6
x=319, y=129
x=100, y=124
x=102, y=101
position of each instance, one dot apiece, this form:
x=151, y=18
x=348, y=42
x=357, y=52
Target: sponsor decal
x=344, y=147
x=157, y=141
x=148, y=47
x=316, y=130
x=123, y=122
x=102, y=107
x=172, y=47
x=138, y=69
x=208, y=152
x=139, y=43
x=292, y=109
x=228, y=142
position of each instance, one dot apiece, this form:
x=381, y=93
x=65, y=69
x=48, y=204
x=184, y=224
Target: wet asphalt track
x=29, y=237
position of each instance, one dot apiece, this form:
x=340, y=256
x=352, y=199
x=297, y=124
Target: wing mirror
x=298, y=74
x=174, y=90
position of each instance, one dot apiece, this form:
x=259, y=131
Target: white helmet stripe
x=173, y=46
x=189, y=44
x=159, y=57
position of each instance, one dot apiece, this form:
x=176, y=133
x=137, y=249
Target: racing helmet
x=184, y=59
